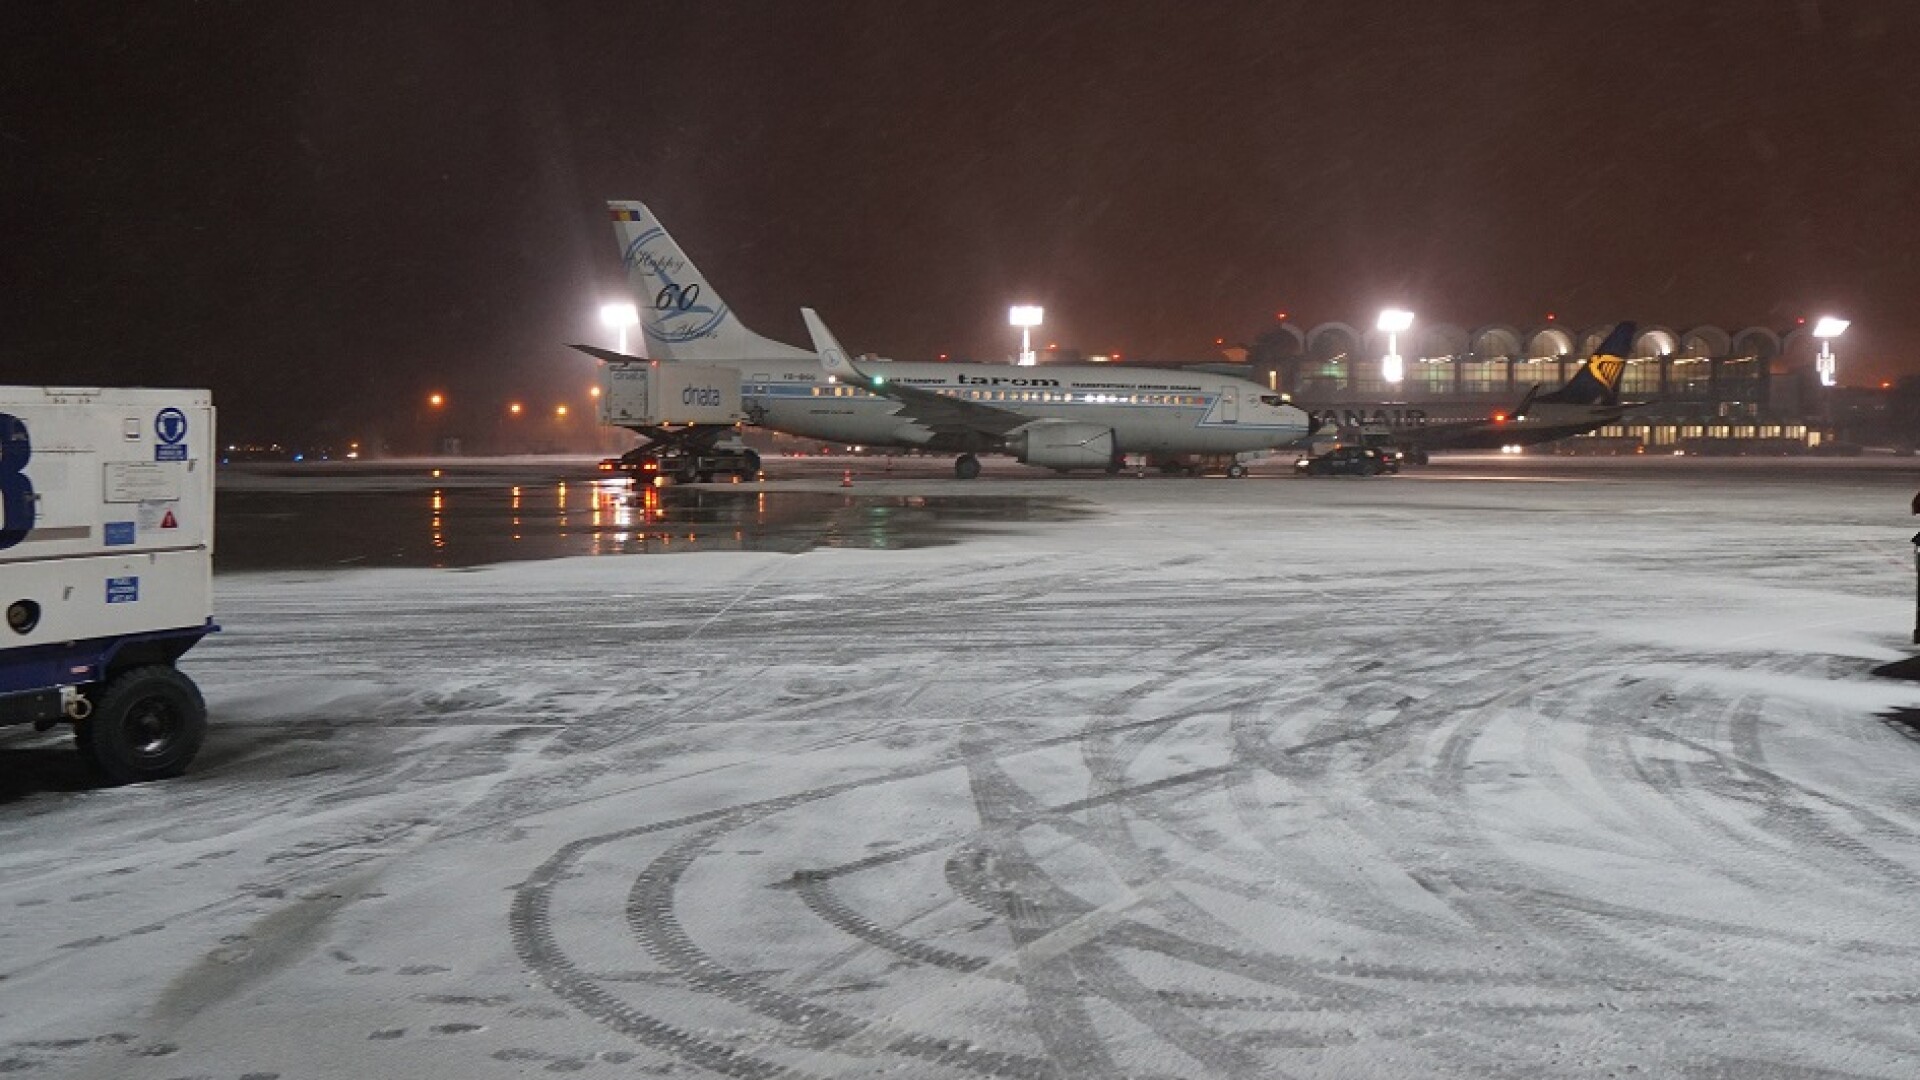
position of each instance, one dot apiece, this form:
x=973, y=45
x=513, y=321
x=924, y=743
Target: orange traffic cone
x=846, y=478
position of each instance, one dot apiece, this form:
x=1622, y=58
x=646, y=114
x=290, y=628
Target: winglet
x=833, y=359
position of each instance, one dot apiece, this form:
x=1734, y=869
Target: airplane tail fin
x=1598, y=380
x=681, y=315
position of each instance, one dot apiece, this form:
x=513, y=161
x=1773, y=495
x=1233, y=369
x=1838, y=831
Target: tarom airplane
x=1056, y=416
x=1589, y=400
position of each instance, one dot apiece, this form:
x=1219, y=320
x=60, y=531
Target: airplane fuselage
x=1151, y=411
x=1467, y=425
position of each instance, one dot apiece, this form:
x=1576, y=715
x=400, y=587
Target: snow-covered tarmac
x=1493, y=769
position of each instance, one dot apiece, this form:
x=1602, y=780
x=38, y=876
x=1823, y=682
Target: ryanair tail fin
x=1598, y=380
x=681, y=315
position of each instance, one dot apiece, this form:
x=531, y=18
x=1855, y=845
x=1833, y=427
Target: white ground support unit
x=689, y=414
x=641, y=395
x=106, y=568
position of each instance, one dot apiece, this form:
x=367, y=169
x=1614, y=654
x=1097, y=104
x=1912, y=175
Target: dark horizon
x=323, y=214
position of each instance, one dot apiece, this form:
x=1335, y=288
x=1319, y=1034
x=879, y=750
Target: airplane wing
x=936, y=412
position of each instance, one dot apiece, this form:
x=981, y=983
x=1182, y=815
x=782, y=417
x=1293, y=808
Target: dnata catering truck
x=106, y=569
x=689, y=414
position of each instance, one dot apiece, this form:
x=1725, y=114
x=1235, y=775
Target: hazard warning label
x=168, y=522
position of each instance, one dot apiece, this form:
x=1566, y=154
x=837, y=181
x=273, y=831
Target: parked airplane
x=1057, y=416
x=1589, y=400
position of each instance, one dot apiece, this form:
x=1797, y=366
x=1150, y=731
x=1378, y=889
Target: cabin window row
x=1032, y=397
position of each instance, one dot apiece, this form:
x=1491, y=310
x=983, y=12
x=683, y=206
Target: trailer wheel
x=147, y=725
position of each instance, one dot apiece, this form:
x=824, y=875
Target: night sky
x=325, y=211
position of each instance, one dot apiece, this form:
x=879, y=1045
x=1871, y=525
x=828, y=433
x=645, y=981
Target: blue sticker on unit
x=123, y=590
x=119, y=532
x=170, y=425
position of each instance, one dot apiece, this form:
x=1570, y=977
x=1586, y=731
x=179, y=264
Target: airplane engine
x=1063, y=444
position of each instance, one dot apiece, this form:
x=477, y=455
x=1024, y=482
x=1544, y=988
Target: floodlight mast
x=1826, y=330
x=619, y=316
x=1026, y=317
x=1392, y=321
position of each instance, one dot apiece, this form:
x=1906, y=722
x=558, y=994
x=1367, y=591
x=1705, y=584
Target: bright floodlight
x=619, y=316
x=1826, y=330
x=1392, y=321
x=1026, y=317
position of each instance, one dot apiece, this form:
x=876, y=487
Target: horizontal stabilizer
x=608, y=355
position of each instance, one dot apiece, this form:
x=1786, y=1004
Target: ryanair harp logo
x=1607, y=369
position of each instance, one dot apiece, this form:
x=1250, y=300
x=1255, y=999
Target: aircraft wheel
x=147, y=725
x=966, y=467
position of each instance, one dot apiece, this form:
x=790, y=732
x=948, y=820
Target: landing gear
x=966, y=467
x=1236, y=470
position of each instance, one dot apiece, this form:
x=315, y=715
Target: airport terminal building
x=1705, y=388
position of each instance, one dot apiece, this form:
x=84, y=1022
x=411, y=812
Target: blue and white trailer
x=106, y=569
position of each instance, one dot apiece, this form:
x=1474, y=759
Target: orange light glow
x=436, y=400
x=514, y=408
x=559, y=410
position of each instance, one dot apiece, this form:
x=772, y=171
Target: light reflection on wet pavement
x=283, y=517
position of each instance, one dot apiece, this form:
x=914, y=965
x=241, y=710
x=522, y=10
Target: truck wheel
x=147, y=725
x=1236, y=471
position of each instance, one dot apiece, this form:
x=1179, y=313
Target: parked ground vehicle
x=689, y=414
x=1348, y=461
x=686, y=462
x=106, y=569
